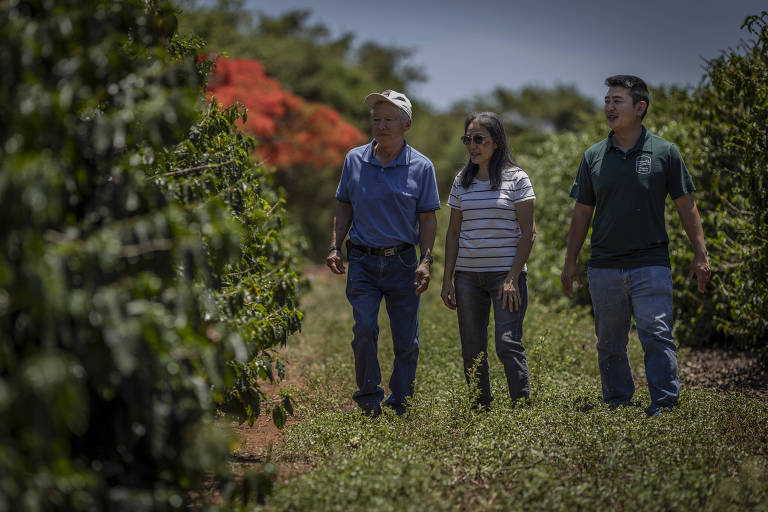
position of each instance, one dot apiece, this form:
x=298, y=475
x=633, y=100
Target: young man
x=388, y=195
x=624, y=180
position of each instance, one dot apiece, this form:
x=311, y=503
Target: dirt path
x=257, y=440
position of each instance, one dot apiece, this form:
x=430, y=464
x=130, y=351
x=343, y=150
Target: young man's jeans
x=370, y=278
x=475, y=292
x=646, y=294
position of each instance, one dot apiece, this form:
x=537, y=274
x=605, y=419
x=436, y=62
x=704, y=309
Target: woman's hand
x=448, y=294
x=509, y=294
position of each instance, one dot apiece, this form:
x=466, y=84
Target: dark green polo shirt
x=628, y=191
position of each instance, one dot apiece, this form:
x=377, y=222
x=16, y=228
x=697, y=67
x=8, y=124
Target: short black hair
x=637, y=88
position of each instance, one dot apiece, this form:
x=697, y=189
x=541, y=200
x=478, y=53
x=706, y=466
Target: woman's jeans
x=370, y=279
x=475, y=292
x=646, y=294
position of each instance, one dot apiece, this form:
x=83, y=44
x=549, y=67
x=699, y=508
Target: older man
x=388, y=195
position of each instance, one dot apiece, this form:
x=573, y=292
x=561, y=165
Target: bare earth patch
x=257, y=441
x=727, y=370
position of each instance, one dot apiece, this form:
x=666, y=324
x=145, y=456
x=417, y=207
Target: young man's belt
x=378, y=251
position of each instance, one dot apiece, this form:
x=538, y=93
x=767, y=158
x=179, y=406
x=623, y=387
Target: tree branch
x=192, y=169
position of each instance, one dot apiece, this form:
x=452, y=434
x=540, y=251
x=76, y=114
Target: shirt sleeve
x=523, y=188
x=454, y=199
x=679, y=182
x=342, y=194
x=429, y=200
x=582, y=190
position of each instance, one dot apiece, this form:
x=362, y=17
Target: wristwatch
x=427, y=257
x=333, y=248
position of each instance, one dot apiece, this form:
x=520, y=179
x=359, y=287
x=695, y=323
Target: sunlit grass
x=566, y=451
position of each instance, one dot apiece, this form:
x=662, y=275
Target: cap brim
x=372, y=99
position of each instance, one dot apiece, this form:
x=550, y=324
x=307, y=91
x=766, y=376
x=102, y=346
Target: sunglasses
x=477, y=139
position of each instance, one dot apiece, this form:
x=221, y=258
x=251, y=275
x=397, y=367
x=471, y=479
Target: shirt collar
x=643, y=142
x=404, y=158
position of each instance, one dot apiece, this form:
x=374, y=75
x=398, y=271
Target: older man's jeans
x=646, y=294
x=475, y=292
x=370, y=278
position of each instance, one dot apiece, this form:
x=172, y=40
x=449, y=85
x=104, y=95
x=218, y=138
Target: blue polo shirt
x=386, y=200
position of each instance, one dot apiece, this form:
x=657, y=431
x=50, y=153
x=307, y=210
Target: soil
x=258, y=440
x=727, y=370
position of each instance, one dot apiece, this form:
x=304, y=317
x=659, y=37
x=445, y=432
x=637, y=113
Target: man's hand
x=700, y=268
x=689, y=215
x=582, y=216
x=509, y=294
x=335, y=262
x=569, y=274
x=421, y=277
x=448, y=294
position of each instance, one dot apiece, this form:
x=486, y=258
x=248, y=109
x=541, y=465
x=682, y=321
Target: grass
x=566, y=451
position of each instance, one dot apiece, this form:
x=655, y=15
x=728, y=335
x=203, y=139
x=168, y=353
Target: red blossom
x=289, y=129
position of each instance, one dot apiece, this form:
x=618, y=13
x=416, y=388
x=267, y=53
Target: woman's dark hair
x=501, y=158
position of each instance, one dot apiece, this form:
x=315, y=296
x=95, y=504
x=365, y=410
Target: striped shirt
x=489, y=228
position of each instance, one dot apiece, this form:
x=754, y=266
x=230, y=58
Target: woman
x=489, y=238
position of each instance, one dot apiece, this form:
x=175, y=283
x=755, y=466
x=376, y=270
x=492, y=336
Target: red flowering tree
x=306, y=142
x=290, y=130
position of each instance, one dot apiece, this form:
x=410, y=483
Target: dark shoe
x=521, y=402
x=653, y=410
x=481, y=407
x=373, y=412
x=616, y=405
x=398, y=408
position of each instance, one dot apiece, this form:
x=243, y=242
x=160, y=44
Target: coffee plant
x=144, y=273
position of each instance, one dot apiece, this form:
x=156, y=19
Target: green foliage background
x=311, y=63
x=340, y=72
x=143, y=274
x=730, y=109
x=719, y=127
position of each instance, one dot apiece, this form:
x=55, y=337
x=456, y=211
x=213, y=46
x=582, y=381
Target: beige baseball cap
x=397, y=99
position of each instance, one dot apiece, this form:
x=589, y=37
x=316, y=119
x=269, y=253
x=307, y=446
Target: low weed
x=564, y=450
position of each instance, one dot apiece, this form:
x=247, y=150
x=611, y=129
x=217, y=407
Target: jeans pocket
x=407, y=259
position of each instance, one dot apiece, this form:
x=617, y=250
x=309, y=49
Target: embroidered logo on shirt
x=643, y=164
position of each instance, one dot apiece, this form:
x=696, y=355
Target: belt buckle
x=389, y=251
